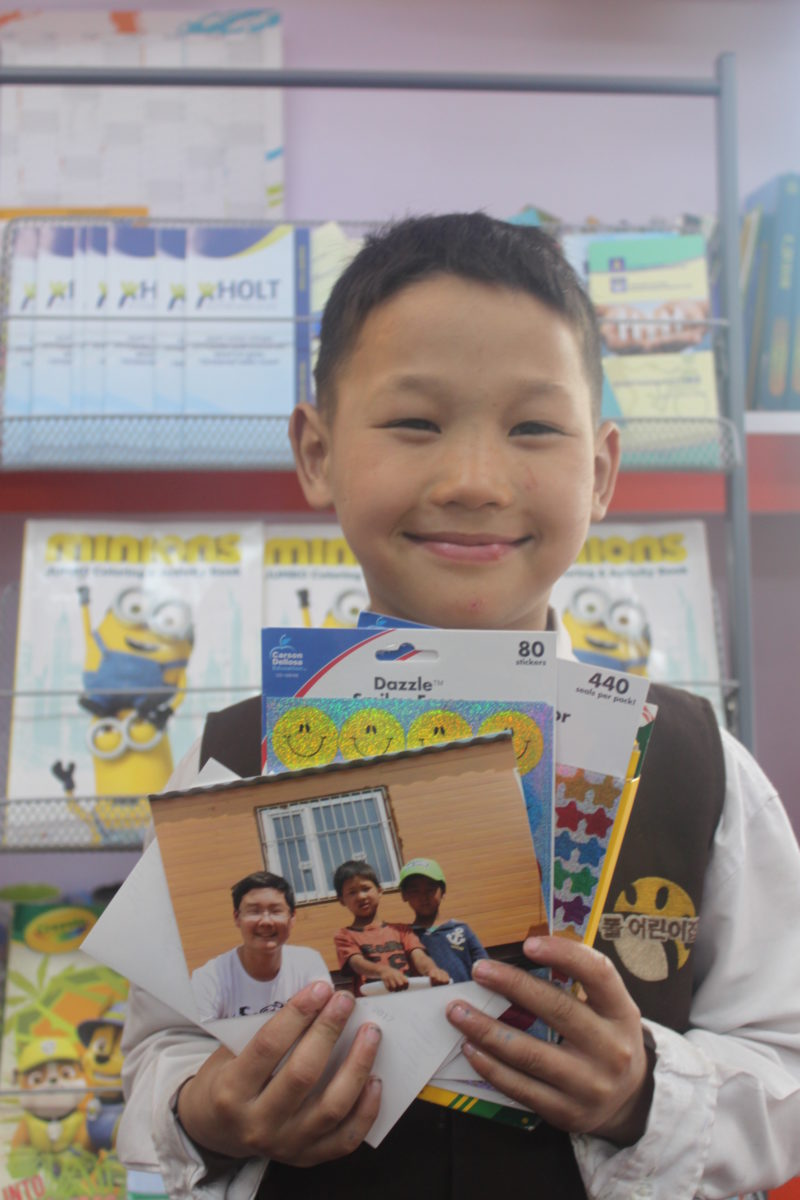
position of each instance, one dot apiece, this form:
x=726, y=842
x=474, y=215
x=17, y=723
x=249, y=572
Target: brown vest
x=647, y=930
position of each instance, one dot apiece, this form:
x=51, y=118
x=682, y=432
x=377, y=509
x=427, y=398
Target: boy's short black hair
x=473, y=246
x=353, y=869
x=262, y=879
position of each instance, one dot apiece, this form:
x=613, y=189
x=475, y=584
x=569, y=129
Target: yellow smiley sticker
x=371, y=732
x=526, y=736
x=304, y=737
x=440, y=725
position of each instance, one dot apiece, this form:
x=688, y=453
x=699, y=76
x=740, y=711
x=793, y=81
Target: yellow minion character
x=608, y=633
x=134, y=678
x=137, y=656
x=343, y=612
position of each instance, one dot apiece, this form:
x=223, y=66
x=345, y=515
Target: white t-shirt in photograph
x=222, y=987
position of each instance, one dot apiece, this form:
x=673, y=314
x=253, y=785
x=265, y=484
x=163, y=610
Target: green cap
x=428, y=867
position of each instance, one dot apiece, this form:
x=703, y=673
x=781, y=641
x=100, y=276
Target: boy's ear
x=310, y=437
x=607, y=452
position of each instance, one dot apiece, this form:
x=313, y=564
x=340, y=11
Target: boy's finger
x=350, y=1133
x=302, y=1070
x=521, y=1052
x=257, y=1062
x=601, y=981
x=547, y=1101
x=341, y=1096
x=584, y=1026
x=556, y=1005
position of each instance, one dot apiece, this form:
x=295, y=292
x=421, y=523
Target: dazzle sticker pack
x=451, y=678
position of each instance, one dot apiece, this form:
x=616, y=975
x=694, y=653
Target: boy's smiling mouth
x=468, y=547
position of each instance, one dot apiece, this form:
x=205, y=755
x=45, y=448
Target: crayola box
x=455, y=673
x=61, y=1060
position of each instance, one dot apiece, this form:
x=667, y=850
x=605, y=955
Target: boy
x=457, y=435
x=451, y=944
x=263, y=973
x=373, y=949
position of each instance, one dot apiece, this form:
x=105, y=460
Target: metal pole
x=738, y=519
x=373, y=80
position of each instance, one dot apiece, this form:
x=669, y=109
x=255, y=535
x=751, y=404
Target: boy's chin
x=486, y=616
x=456, y=608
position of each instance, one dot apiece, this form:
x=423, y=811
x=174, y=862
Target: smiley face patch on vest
x=653, y=927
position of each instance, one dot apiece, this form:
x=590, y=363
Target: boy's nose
x=473, y=473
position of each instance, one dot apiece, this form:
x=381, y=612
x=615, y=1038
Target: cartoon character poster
x=128, y=634
x=311, y=577
x=639, y=599
x=60, y=1071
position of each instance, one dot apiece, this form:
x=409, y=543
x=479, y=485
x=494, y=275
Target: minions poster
x=128, y=634
x=311, y=578
x=61, y=1060
x=639, y=599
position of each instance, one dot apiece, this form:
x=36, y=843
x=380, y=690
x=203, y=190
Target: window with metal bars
x=306, y=841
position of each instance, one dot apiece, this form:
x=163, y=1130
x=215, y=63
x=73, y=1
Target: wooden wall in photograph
x=461, y=804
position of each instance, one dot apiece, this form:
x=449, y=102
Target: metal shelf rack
x=720, y=88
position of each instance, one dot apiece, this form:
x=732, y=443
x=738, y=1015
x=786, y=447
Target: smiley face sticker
x=304, y=737
x=439, y=725
x=370, y=732
x=526, y=736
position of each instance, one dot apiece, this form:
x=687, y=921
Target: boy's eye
x=531, y=428
x=421, y=423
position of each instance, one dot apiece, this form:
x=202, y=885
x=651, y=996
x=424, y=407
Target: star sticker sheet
x=600, y=715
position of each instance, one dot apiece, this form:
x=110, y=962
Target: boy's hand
x=598, y=1079
x=235, y=1106
x=438, y=976
x=393, y=980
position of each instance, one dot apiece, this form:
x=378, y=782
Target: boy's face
x=424, y=895
x=361, y=896
x=461, y=457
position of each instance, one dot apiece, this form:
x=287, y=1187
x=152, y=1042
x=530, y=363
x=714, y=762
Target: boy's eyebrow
x=414, y=383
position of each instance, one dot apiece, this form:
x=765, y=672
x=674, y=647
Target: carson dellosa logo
x=284, y=658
